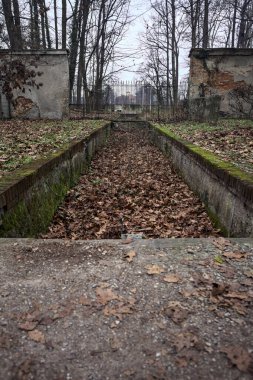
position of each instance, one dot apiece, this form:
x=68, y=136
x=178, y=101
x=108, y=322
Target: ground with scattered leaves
x=146, y=309
x=231, y=140
x=130, y=188
x=22, y=141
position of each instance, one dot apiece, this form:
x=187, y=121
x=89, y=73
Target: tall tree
x=12, y=19
x=205, y=40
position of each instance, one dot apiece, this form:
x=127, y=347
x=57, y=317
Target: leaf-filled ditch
x=130, y=188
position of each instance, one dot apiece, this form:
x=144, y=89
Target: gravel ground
x=144, y=309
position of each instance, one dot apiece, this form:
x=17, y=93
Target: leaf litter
x=130, y=188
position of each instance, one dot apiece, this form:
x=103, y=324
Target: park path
x=130, y=189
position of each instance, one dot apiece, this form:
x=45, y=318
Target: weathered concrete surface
x=226, y=73
x=29, y=196
x=48, y=98
x=228, y=198
x=84, y=310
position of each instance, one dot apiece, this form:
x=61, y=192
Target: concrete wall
x=227, y=73
x=30, y=196
x=49, y=97
x=228, y=197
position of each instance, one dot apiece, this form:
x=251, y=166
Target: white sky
x=132, y=47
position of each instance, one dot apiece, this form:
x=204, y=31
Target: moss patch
x=210, y=157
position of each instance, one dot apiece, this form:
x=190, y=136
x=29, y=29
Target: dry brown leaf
x=186, y=340
x=239, y=356
x=127, y=241
x=154, y=269
x=115, y=343
x=37, y=336
x=28, y=326
x=171, y=278
x=218, y=289
x=234, y=255
x=249, y=273
x=176, y=312
x=85, y=301
x=130, y=255
x=118, y=310
x=106, y=295
x=188, y=292
x=239, y=295
x=221, y=243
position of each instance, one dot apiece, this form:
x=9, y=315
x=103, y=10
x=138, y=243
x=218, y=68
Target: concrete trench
x=130, y=190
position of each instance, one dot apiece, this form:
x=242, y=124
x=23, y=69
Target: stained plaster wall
x=48, y=100
x=223, y=73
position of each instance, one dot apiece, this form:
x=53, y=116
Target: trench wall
x=30, y=196
x=226, y=191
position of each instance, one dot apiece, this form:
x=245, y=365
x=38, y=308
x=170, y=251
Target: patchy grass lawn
x=231, y=140
x=22, y=141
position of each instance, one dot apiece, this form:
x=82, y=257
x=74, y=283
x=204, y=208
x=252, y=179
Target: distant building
x=34, y=84
x=221, y=81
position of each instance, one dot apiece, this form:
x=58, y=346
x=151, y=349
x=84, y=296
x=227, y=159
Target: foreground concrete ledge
x=89, y=309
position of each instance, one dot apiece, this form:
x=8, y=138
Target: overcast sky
x=130, y=44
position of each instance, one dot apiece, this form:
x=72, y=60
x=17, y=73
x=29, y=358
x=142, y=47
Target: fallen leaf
x=239, y=356
x=115, y=343
x=218, y=289
x=37, y=336
x=239, y=295
x=234, y=255
x=28, y=326
x=221, y=243
x=118, y=310
x=218, y=259
x=83, y=300
x=185, y=340
x=176, y=312
x=249, y=273
x=154, y=269
x=105, y=295
x=130, y=255
x=127, y=241
x=171, y=278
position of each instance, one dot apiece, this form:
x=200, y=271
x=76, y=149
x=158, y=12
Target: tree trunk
x=234, y=24
x=206, y=26
x=42, y=20
x=173, y=53
x=36, y=25
x=49, y=44
x=74, y=42
x=56, y=25
x=13, y=24
x=64, y=24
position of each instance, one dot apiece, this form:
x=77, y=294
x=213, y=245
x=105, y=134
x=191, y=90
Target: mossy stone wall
x=30, y=196
x=226, y=191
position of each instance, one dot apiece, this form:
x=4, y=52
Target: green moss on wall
x=210, y=157
x=32, y=214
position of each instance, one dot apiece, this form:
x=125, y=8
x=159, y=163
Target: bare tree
x=12, y=19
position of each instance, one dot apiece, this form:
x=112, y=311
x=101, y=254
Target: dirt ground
x=146, y=309
x=130, y=189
